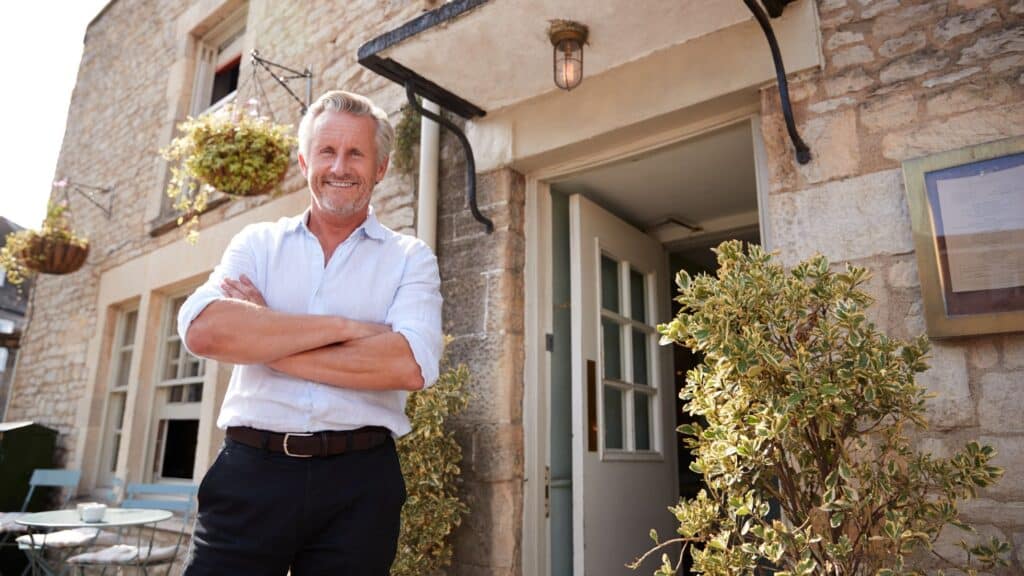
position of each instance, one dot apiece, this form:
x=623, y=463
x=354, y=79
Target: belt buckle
x=285, y=445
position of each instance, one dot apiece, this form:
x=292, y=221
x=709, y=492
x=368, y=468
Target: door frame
x=535, y=552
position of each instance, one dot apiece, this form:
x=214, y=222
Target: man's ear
x=383, y=168
x=302, y=165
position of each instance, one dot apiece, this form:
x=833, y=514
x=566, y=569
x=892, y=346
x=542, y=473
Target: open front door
x=624, y=468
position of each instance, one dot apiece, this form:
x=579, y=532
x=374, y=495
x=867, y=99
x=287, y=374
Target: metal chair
x=176, y=498
x=41, y=478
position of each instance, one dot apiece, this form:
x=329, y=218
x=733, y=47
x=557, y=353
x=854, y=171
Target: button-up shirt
x=375, y=275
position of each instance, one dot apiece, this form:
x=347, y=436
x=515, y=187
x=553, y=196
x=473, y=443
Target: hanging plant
x=55, y=249
x=234, y=152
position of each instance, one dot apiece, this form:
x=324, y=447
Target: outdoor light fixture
x=568, y=38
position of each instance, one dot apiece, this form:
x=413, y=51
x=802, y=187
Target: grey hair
x=355, y=104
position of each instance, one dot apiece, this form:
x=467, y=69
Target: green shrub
x=803, y=402
x=430, y=459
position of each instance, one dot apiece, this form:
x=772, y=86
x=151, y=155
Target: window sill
x=168, y=222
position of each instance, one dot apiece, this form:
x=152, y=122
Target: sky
x=41, y=47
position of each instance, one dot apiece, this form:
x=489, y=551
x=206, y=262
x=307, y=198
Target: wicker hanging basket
x=54, y=256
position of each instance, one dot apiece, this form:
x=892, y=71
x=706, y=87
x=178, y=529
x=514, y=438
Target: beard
x=343, y=202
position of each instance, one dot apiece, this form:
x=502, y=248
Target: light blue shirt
x=375, y=275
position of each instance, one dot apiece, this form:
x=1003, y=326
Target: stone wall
x=903, y=79
x=483, y=285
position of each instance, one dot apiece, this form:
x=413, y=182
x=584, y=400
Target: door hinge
x=547, y=491
x=549, y=342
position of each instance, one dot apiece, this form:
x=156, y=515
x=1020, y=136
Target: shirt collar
x=371, y=226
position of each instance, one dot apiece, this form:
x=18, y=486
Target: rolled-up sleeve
x=237, y=260
x=415, y=312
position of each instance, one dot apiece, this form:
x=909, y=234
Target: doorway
x=617, y=234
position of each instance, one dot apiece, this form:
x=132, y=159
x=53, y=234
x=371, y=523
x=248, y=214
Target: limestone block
x=947, y=378
x=489, y=534
x=1010, y=457
x=903, y=45
x=1007, y=63
x=947, y=543
x=968, y=97
x=831, y=104
x=834, y=146
x=913, y=65
x=983, y=353
x=497, y=453
x=464, y=304
x=1013, y=351
x=896, y=22
x=495, y=363
x=504, y=302
x=845, y=220
x=887, y=112
x=951, y=78
x=842, y=39
x=966, y=129
x=1018, y=544
x=1018, y=8
x=829, y=5
x=963, y=24
x=999, y=43
x=859, y=54
x=852, y=80
x=1001, y=406
x=837, y=19
x=903, y=274
x=875, y=8
x=988, y=511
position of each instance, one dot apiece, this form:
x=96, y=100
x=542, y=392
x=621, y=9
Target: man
x=330, y=318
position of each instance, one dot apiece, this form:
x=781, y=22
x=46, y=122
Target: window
x=628, y=341
x=179, y=391
x=120, y=366
x=218, y=64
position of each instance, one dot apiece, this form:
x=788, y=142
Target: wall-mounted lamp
x=568, y=38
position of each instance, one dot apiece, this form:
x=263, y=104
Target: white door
x=624, y=452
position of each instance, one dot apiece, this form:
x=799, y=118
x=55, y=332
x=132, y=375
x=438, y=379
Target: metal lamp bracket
x=410, y=92
x=283, y=74
x=775, y=7
x=90, y=193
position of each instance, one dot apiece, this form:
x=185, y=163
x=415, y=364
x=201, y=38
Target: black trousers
x=263, y=513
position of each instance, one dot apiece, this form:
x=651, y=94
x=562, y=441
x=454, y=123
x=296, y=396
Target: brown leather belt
x=310, y=444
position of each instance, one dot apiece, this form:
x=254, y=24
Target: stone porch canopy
x=488, y=61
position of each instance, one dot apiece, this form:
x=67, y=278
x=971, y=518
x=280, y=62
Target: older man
x=330, y=318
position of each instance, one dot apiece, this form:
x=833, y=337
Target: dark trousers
x=263, y=513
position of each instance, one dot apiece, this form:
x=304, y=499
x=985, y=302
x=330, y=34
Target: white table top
x=114, y=517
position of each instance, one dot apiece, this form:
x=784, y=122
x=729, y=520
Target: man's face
x=342, y=166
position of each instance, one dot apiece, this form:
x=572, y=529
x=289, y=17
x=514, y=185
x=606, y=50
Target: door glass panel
x=637, y=296
x=612, y=347
x=642, y=416
x=609, y=284
x=639, y=357
x=613, y=417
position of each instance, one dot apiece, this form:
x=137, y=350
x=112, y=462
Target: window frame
x=113, y=433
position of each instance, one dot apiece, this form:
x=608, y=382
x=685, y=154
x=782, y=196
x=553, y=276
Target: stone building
x=674, y=141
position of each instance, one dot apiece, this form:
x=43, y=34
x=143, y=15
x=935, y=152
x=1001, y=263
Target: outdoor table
x=67, y=519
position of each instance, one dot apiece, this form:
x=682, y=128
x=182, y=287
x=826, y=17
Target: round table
x=65, y=519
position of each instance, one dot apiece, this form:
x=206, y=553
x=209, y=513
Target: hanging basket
x=54, y=255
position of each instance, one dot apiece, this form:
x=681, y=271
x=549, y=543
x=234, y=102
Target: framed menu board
x=967, y=214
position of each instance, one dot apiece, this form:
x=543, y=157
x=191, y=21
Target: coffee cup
x=91, y=511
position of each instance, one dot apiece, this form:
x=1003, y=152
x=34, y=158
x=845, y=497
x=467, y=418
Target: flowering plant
x=54, y=249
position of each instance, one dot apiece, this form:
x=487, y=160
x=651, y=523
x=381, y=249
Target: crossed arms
x=239, y=328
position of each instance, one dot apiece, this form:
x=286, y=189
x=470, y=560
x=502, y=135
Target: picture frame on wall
x=967, y=216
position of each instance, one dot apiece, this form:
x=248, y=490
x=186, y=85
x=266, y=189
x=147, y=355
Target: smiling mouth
x=340, y=183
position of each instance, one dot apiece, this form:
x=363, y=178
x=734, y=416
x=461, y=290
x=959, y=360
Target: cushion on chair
x=68, y=538
x=8, y=524
x=125, y=554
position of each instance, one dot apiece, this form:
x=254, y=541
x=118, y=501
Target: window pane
x=180, y=448
x=117, y=410
x=639, y=357
x=225, y=81
x=128, y=332
x=124, y=365
x=642, y=415
x=193, y=366
x=116, y=449
x=609, y=284
x=194, y=393
x=613, y=417
x=171, y=371
x=638, y=296
x=612, y=349
x=174, y=393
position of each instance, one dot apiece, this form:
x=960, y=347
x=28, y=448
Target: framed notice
x=967, y=214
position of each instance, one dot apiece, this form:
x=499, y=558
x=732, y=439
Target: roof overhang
x=477, y=56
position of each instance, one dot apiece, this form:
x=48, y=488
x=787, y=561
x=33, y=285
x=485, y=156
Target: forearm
x=239, y=332
x=380, y=362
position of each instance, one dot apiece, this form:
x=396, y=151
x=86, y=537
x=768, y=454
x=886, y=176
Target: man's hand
x=242, y=289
